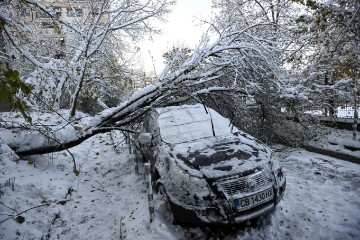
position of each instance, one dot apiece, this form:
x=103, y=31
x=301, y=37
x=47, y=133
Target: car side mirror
x=144, y=138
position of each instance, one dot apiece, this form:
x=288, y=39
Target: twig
x=47, y=204
x=19, y=213
x=5, y=214
x=114, y=144
x=121, y=236
x=109, y=171
x=50, y=108
x=324, y=168
x=70, y=190
x=10, y=208
x=74, y=162
x=57, y=215
x=100, y=184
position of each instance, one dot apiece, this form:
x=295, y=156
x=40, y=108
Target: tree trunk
x=78, y=88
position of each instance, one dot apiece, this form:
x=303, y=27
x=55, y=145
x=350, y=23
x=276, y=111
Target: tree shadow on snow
x=225, y=231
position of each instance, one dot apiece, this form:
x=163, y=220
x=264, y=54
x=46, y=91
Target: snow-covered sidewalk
x=107, y=200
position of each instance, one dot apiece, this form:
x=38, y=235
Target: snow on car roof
x=191, y=122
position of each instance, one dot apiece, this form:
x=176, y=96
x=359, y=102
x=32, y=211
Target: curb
x=333, y=154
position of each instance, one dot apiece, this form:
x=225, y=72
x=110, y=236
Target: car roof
x=191, y=122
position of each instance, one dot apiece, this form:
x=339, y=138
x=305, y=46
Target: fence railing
x=340, y=112
x=346, y=112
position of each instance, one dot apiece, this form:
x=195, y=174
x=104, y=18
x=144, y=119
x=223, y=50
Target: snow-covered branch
x=200, y=74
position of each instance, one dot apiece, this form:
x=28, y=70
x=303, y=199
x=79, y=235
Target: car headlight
x=188, y=183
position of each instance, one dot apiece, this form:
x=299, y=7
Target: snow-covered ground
x=43, y=199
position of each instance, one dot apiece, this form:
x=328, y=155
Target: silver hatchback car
x=209, y=171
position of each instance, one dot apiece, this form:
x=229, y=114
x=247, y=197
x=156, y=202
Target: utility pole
x=326, y=81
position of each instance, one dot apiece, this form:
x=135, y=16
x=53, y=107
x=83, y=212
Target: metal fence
x=340, y=112
x=346, y=112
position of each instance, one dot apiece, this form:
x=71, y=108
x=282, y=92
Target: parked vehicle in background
x=209, y=171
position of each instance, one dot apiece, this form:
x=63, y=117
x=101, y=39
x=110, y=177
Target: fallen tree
x=199, y=75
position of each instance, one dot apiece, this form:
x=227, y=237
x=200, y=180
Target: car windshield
x=190, y=123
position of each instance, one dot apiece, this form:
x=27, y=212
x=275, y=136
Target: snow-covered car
x=209, y=171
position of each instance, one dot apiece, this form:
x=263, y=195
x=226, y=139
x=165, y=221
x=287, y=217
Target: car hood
x=218, y=157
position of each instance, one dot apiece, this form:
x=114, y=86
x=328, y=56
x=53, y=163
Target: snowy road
x=108, y=201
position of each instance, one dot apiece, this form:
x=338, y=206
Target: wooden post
x=136, y=163
x=355, y=114
x=149, y=191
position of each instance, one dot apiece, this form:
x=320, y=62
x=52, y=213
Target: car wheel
x=168, y=215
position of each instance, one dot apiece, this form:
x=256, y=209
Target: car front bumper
x=215, y=216
x=222, y=212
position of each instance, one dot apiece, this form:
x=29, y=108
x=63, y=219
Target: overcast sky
x=181, y=29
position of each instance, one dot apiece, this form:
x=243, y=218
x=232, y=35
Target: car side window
x=156, y=137
x=154, y=131
x=150, y=126
x=145, y=126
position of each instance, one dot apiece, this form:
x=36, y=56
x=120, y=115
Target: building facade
x=49, y=26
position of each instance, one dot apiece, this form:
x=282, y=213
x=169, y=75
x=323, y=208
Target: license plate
x=254, y=200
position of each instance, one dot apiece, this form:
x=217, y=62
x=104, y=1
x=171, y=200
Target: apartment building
x=68, y=10
x=145, y=79
x=52, y=33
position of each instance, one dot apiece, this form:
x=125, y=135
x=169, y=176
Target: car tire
x=168, y=212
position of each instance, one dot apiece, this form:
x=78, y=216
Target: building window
x=74, y=12
x=42, y=15
x=95, y=11
x=46, y=25
x=57, y=11
x=25, y=13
